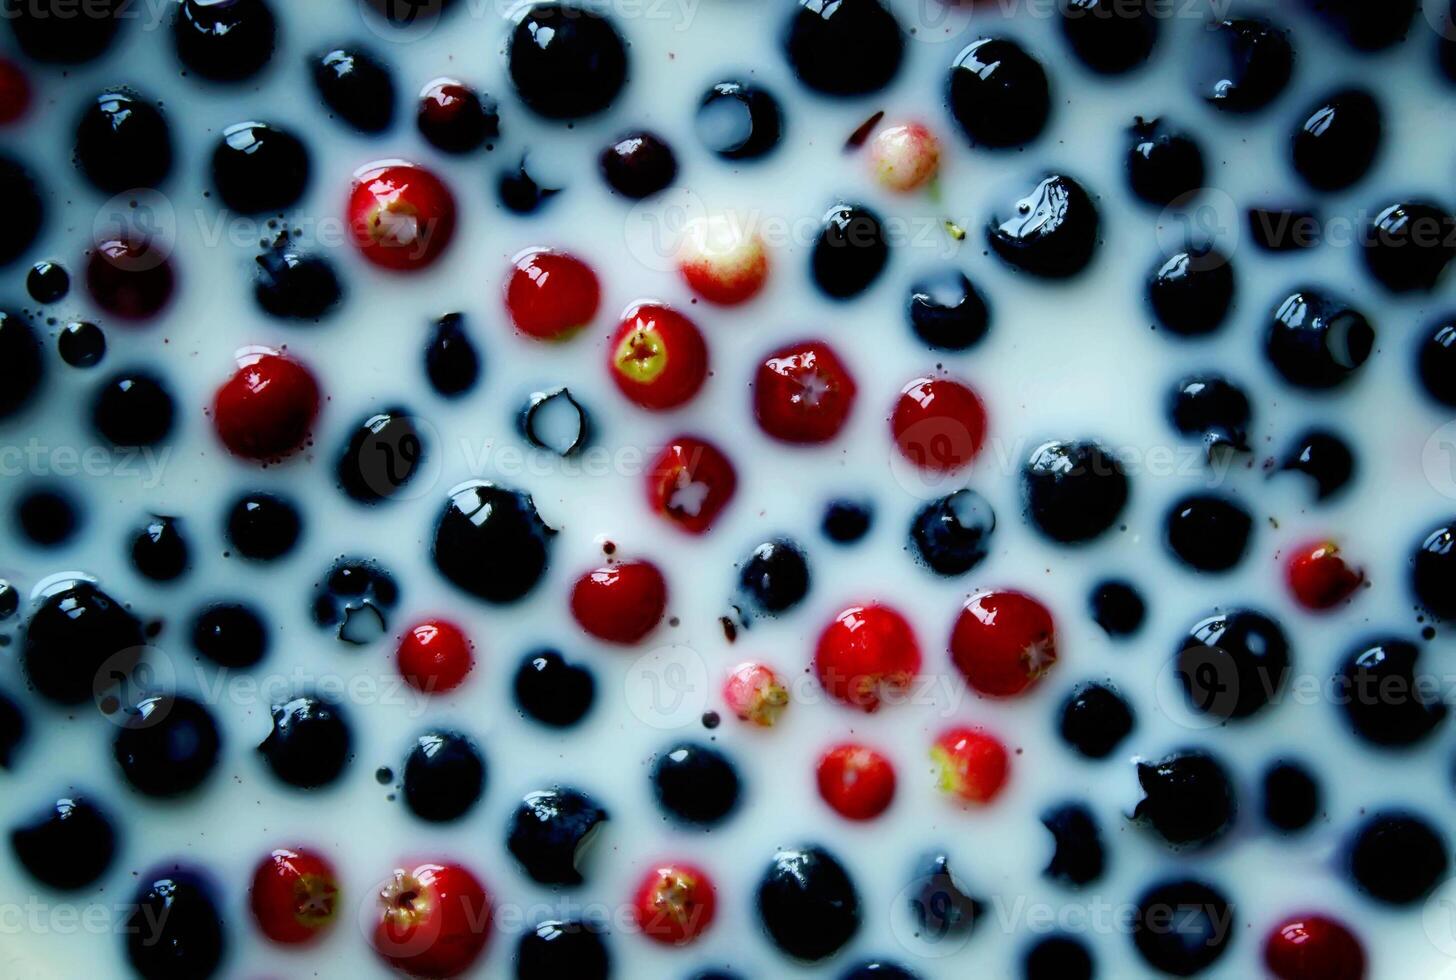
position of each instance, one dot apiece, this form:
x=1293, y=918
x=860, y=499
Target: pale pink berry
x=722, y=259
x=755, y=694
x=905, y=158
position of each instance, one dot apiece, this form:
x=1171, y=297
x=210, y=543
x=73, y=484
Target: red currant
x=939, y=424
x=620, y=603
x=402, y=216
x=551, y=295
x=722, y=260
x=803, y=393
x=657, y=357
x=434, y=921
x=1319, y=577
x=1003, y=643
x=866, y=654
x=856, y=781
x=294, y=896
x=1314, y=947
x=755, y=694
x=264, y=411
x=434, y=656
x=690, y=483
x=674, y=904
x=973, y=764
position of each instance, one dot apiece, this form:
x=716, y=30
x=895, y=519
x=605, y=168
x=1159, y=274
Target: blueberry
x=776, y=576
x=230, y=634
x=1408, y=246
x=940, y=904
x=1191, y=292
x=47, y=282
x=1208, y=533
x=1074, y=491
x=133, y=408
x=1211, y=406
x=1095, y=719
x=67, y=846
x=21, y=367
x=1284, y=229
x=9, y=600
x=1182, y=927
x=565, y=61
x=1078, y=857
x=947, y=311
x=258, y=168
x=1338, y=141
x=1162, y=166
x=1187, y=798
x=47, y=517
x=1383, y=697
x=13, y=729
x=55, y=32
x=1244, y=66
x=75, y=632
x=555, y=421
x=122, y=143
x=1232, y=664
x=846, y=521
x=454, y=118
x=553, y=691
x=1317, y=341
x=263, y=527
x=845, y=48
x=159, y=551
x=639, y=165
x=1436, y=362
x=739, y=122
x=24, y=211
x=953, y=534
x=1117, y=607
x=1058, y=958
x=174, y=930
x=550, y=833
x=1397, y=858
x=491, y=542
x=520, y=192
x=293, y=284
x=879, y=970
x=695, y=784
x=998, y=93
x=383, y=454
x=851, y=251
x=310, y=743
x=357, y=87
x=355, y=599
x=1369, y=26
x=1291, y=796
x=1323, y=457
x=1110, y=36
x=557, y=948
x=1051, y=232
x=224, y=41
x=81, y=344
x=452, y=363
x=808, y=903
x=444, y=776
x=168, y=747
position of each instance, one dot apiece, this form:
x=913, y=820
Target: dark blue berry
x=169, y=745
x=122, y=143
x=1243, y=65
x=558, y=949
x=1433, y=571
x=565, y=61
x=1191, y=292
x=1095, y=719
x=1182, y=927
x=67, y=846
x=355, y=600
x=1208, y=533
x=1188, y=798
x=846, y=521
x=550, y=832
x=1291, y=796
x=81, y=344
x=1369, y=26
x=75, y=632
x=1323, y=457
x=947, y=311
x=1051, y=232
x=738, y=121
x=452, y=363
x=953, y=534
x=263, y=527
x=491, y=542
x=1078, y=857
x=941, y=905
x=310, y=743
x=444, y=776
x=1338, y=141
x=174, y=930
x=998, y=93
x=1436, y=362
x=384, y=453
x=553, y=691
x=879, y=970
x=1074, y=491
x=230, y=634
x=159, y=551
x=357, y=87
x=13, y=729
x=227, y=41
x=1317, y=341
x=1163, y=165
x=44, y=34
x=258, y=167
x=294, y=284
x=639, y=165
x=1397, y=858
x=1409, y=245
x=455, y=118
x=1383, y=697
x=695, y=784
x=47, y=517
x=1284, y=229
x=1058, y=958
x=850, y=47
x=21, y=367
x=851, y=251
x=47, y=282
x=24, y=216
x=1111, y=36
x=520, y=192
x=555, y=421
x=808, y=903
x=775, y=578
x=1212, y=407
x=1117, y=607
x=133, y=408
x=1232, y=664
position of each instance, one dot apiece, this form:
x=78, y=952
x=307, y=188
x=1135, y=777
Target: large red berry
x=433, y=920
x=294, y=896
x=1319, y=577
x=867, y=654
x=690, y=482
x=939, y=424
x=1314, y=947
x=1003, y=642
x=674, y=904
x=657, y=357
x=856, y=781
x=803, y=393
x=264, y=411
x=402, y=216
x=972, y=764
x=551, y=295
x=620, y=603
x=434, y=656
x=722, y=260
x=755, y=694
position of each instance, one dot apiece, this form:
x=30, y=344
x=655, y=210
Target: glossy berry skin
x=295, y=284
x=1208, y=533
x=847, y=521
x=904, y=158
x=696, y=784
x=551, y=295
x=168, y=747
x=639, y=165
x=81, y=345
x=971, y=764
x=21, y=365
x=1078, y=858
x=549, y=833
x=803, y=393
x=1117, y=607
x=294, y=896
x=133, y=408
x=1074, y=491
x=657, y=357
x=722, y=259
x=1397, y=858
x=565, y=61
x=737, y=121
x=808, y=903
x=434, y=921
x=998, y=93
x=938, y=424
x=1324, y=457
x=67, y=846
x=444, y=776
x=47, y=282
x=72, y=636
x=1233, y=664
x=224, y=42
x=690, y=483
x=453, y=118
x=401, y=216
x=1409, y=245
x=1203, y=914
x=674, y=904
x=258, y=168
x=1291, y=797
x=357, y=87
x=434, y=656
x=1384, y=697
x=230, y=635
x=553, y=691
x=263, y=527
x=1003, y=643
x=174, y=928
x=1213, y=407
x=1433, y=571
x=1163, y=165
x=952, y=534
x=1317, y=341
x=947, y=312
x=1338, y=141
x=857, y=782
x=851, y=251
x=1095, y=720
x=452, y=363
x=556, y=948
x=1245, y=65
x=756, y=694
x=384, y=452
x=129, y=278
x=1188, y=798
x=1319, y=578
x=620, y=603
x=1436, y=362
x=265, y=410
x=1051, y=232
x=775, y=578
x=490, y=542
x=844, y=49
x=1191, y=293
x=310, y=743
x=1313, y=947
x=123, y=143
x=939, y=902
x=867, y=655
x=1110, y=37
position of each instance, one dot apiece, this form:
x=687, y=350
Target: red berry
x=674, y=904
x=973, y=765
x=402, y=216
x=803, y=393
x=434, y=656
x=551, y=295
x=1319, y=577
x=265, y=409
x=130, y=278
x=1314, y=947
x=294, y=896
x=755, y=694
x=434, y=920
x=722, y=260
x=657, y=357
x=867, y=653
x=1003, y=642
x=856, y=781
x=905, y=158
x=939, y=424
x=620, y=603
x=14, y=92
x=690, y=483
